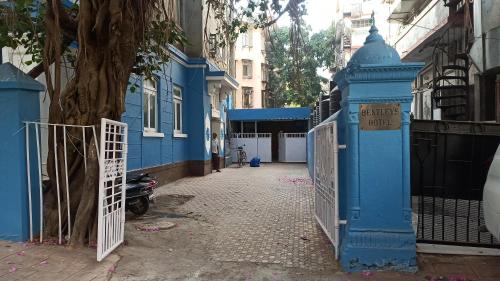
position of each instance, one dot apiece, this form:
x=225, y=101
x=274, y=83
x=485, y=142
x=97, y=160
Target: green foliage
x=21, y=24
x=293, y=78
x=322, y=44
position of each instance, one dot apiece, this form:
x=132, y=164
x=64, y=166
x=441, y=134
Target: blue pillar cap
x=12, y=77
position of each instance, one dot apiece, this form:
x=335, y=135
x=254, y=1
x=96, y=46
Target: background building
x=171, y=118
x=252, y=70
x=458, y=41
x=354, y=23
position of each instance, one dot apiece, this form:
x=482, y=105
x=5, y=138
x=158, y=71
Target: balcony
x=215, y=113
x=413, y=40
x=401, y=9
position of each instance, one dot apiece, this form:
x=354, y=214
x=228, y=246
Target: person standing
x=215, y=152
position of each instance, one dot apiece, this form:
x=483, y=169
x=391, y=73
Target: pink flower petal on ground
x=112, y=269
x=12, y=269
x=457, y=278
x=44, y=262
x=367, y=273
x=22, y=253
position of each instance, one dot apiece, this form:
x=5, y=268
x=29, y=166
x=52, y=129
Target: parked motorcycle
x=139, y=192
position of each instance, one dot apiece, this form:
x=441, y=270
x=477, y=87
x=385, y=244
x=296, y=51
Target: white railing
x=70, y=135
x=292, y=147
x=254, y=144
x=112, y=180
x=250, y=135
x=112, y=172
x=326, y=181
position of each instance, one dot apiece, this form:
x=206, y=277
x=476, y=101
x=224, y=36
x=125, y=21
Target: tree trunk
x=109, y=34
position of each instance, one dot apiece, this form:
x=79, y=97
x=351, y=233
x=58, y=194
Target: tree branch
x=68, y=23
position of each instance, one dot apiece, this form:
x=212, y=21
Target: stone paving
x=25, y=261
x=261, y=215
x=241, y=224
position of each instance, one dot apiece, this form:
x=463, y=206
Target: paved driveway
x=260, y=215
x=241, y=224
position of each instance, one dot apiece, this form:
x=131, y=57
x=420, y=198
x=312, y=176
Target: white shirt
x=215, y=146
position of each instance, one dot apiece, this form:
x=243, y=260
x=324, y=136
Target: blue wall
x=19, y=101
x=150, y=151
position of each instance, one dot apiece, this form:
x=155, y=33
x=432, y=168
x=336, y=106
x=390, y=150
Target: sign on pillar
x=375, y=167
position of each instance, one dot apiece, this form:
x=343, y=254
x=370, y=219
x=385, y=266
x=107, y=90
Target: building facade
x=252, y=69
x=355, y=21
x=457, y=41
x=171, y=117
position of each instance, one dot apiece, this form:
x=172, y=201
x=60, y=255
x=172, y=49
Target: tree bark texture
x=109, y=33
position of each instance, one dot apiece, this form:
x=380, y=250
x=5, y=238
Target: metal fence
x=449, y=166
x=37, y=151
x=112, y=169
x=326, y=180
x=112, y=178
x=292, y=147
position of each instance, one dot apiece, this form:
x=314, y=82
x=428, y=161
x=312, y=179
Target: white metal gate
x=255, y=145
x=112, y=178
x=37, y=157
x=326, y=180
x=292, y=147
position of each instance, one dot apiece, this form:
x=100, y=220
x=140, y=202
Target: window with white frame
x=247, y=97
x=247, y=39
x=177, y=102
x=247, y=69
x=150, y=105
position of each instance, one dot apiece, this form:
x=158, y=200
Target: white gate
x=292, y=147
x=112, y=177
x=254, y=145
x=326, y=180
x=37, y=157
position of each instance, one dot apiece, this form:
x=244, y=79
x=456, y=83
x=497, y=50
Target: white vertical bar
x=100, y=223
x=67, y=183
x=84, y=149
x=336, y=185
x=40, y=179
x=124, y=179
x=28, y=171
x=95, y=142
x=315, y=141
x=57, y=184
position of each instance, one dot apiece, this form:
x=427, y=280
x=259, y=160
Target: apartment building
x=171, y=118
x=355, y=21
x=457, y=39
x=251, y=68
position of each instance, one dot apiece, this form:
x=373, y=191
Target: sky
x=319, y=14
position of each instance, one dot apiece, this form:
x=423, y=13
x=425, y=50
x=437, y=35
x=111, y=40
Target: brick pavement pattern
x=261, y=215
x=34, y=262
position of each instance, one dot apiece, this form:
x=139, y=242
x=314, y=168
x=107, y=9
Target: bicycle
x=242, y=156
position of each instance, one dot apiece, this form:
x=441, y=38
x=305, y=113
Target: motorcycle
x=139, y=192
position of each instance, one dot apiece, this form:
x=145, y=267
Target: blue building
x=171, y=119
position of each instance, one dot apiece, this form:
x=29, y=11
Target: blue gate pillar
x=19, y=101
x=375, y=167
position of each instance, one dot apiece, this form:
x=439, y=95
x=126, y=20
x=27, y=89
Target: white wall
x=254, y=147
